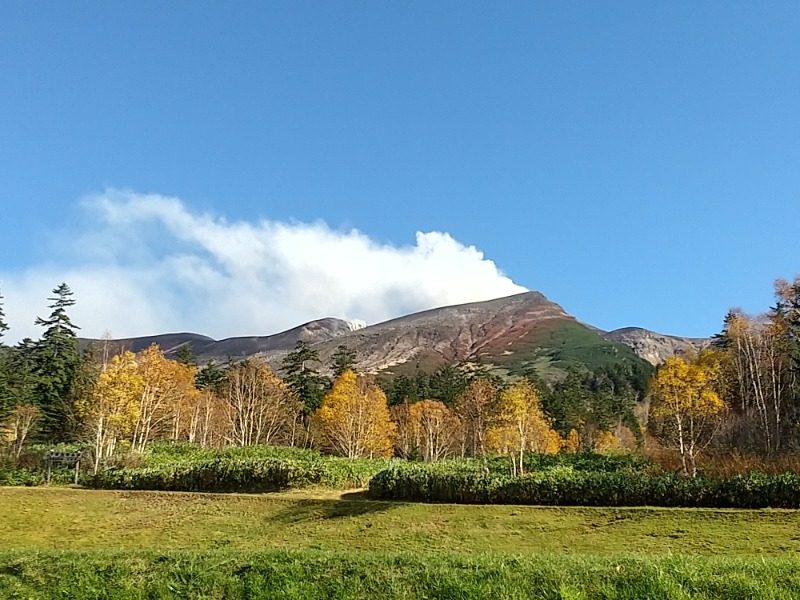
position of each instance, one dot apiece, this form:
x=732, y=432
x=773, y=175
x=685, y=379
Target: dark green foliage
x=32, y=477
x=321, y=575
x=57, y=360
x=162, y=453
x=581, y=461
x=6, y=377
x=787, y=309
x=220, y=475
x=343, y=359
x=403, y=388
x=83, y=383
x=3, y=324
x=463, y=483
x=598, y=400
x=447, y=384
x=474, y=371
x=722, y=340
x=210, y=377
x=21, y=379
x=186, y=355
x=303, y=380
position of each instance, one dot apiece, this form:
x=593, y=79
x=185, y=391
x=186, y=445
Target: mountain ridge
x=509, y=334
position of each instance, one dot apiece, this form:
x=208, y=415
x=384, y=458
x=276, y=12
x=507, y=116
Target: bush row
x=567, y=487
x=580, y=461
x=239, y=475
x=160, y=453
x=31, y=477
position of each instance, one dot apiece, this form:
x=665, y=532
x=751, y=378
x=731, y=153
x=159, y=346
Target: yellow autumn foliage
x=520, y=425
x=685, y=400
x=354, y=419
x=112, y=409
x=606, y=441
x=572, y=442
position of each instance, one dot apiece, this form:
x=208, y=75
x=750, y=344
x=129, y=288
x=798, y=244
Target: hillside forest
x=739, y=397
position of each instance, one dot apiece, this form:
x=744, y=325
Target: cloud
x=148, y=264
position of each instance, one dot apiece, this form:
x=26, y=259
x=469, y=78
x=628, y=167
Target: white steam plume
x=149, y=265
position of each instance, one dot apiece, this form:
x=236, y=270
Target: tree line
x=742, y=393
x=52, y=392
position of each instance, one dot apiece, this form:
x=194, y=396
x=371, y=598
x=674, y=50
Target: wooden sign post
x=64, y=459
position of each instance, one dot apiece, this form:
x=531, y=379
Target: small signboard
x=63, y=459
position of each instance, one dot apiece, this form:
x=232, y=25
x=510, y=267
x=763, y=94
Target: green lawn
x=78, y=519
x=76, y=544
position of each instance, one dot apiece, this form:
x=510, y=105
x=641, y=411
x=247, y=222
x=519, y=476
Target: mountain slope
x=508, y=335
x=654, y=347
x=207, y=348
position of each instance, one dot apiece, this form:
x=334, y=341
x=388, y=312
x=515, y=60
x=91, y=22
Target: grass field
x=312, y=575
x=62, y=518
x=81, y=544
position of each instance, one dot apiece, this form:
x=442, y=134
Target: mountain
x=507, y=335
x=654, y=347
x=207, y=348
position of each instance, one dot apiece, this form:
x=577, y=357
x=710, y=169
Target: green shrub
x=580, y=461
x=569, y=487
x=161, y=453
x=227, y=472
x=29, y=468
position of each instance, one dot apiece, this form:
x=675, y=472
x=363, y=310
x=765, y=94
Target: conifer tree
x=302, y=379
x=343, y=359
x=3, y=324
x=186, y=355
x=57, y=362
x=5, y=358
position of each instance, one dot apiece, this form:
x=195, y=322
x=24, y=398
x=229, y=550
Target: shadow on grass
x=355, y=504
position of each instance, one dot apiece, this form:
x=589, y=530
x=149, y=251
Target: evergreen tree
x=82, y=389
x=57, y=362
x=186, y=355
x=447, y=384
x=21, y=378
x=411, y=389
x=211, y=377
x=304, y=381
x=786, y=312
x=3, y=324
x=343, y=359
x=721, y=340
x=5, y=371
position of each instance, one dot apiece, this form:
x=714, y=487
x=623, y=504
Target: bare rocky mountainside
x=207, y=348
x=508, y=335
x=655, y=347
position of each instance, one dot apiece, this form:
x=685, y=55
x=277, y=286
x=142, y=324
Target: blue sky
x=230, y=168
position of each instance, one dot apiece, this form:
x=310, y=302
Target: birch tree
x=258, y=405
x=685, y=400
x=436, y=429
x=520, y=425
x=354, y=418
x=112, y=409
x=167, y=385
